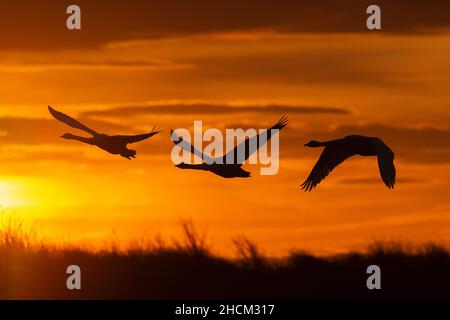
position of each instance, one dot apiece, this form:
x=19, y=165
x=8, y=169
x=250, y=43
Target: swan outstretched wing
x=329, y=159
x=137, y=137
x=251, y=144
x=179, y=141
x=70, y=121
x=386, y=163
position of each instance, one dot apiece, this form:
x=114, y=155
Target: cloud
x=105, y=21
x=90, y=65
x=311, y=66
x=183, y=108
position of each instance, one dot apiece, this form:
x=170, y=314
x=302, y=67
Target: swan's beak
x=180, y=139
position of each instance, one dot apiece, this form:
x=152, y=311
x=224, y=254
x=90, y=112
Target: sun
x=9, y=194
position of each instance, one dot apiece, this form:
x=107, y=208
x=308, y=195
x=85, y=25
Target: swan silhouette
x=337, y=151
x=219, y=165
x=111, y=144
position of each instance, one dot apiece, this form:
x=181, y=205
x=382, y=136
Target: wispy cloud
x=184, y=108
x=86, y=65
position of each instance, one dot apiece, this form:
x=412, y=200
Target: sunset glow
x=388, y=84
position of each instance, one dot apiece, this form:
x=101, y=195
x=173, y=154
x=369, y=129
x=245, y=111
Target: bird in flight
x=112, y=144
x=337, y=151
x=219, y=165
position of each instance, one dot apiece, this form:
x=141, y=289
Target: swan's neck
x=78, y=138
x=192, y=166
x=317, y=144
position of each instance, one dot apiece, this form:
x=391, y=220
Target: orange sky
x=336, y=77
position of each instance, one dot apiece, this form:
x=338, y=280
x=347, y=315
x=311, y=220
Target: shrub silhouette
x=152, y=269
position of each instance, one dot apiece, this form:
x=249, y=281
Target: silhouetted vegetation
x=152, y=269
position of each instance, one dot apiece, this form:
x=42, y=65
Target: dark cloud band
x=208, y=109
x=29, y=24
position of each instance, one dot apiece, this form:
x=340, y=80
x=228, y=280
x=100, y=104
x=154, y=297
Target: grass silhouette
x=188, y=269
